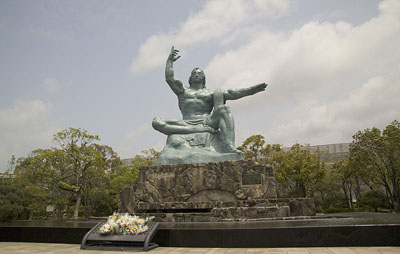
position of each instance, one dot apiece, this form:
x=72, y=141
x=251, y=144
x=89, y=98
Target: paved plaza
x=50, y=248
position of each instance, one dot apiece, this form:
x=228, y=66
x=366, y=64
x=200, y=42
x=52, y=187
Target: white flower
x=105, y=229
x=131, y=224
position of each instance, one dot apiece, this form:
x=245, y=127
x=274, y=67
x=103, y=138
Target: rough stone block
x=215, y=191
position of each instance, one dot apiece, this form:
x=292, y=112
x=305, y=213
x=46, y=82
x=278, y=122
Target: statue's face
x=197, y=76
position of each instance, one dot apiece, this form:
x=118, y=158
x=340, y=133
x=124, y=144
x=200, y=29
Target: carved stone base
x=194, y=155
x=215, y=191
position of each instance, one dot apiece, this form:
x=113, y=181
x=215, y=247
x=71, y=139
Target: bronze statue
x=204, y=111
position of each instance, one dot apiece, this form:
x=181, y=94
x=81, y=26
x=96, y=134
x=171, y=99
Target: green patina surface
x=206, y=132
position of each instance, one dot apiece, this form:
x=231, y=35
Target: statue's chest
x=200, y=96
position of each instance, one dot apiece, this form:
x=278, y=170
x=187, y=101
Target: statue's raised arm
x=234, y=94
x=176, y=85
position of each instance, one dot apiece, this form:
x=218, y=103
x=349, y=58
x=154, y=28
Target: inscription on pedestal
x=251, y=179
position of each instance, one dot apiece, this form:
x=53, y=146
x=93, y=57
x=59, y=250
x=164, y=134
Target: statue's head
x=196, y=76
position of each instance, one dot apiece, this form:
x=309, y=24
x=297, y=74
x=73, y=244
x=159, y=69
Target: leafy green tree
x=12, y=162
x=346, y=175
x=10, y=194
x=77, y=171
x=97, y=196
x=11, y=207
x=78, y=165
x=351, y=175
x=124, y=176
x=103, y=198
x=86, y=167
x=299, y=171
x=373, y=199
x=378, y=152
x=255, y=147
x=36, y=188
x=145, y=158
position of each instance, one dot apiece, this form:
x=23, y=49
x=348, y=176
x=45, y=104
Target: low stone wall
x=214, y=191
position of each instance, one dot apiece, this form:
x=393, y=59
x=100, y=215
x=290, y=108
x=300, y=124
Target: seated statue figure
x=206, y=132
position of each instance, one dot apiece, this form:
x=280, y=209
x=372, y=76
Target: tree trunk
x=351, y=198
x=77, y=204
x=302, y=188
x=396, y=195
x=348, y=201
x=357, y=189
x=88, y=206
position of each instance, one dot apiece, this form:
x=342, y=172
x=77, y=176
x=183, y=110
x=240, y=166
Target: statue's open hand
x=259, y=87
x=174, y=55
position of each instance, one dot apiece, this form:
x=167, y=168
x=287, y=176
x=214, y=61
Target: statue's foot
x=232, y=149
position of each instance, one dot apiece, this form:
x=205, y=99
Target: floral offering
x=125, y=224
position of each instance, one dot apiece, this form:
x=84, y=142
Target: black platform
x=350, y=229
x=95, y=241
x=45, y=231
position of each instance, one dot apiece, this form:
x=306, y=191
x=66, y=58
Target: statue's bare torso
x=196, y=104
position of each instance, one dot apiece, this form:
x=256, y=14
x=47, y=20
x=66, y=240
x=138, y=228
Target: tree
x=378, y=152
x=97, y=197
x=345, y=174
x=10, y=194
x=11, y=164
x=299, y=171
x=145, y=158
x=11, y=207
x=255, y=147
x=37, y=189
x=72, y=170
x=82, y=163
x=373, y=199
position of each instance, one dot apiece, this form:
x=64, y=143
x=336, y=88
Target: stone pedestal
x=215, y=191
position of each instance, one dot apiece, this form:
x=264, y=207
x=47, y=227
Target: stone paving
x=50, y=248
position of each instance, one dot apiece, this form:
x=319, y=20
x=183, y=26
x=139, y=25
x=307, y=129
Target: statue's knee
x=157, y=123
x=176, y=142
x=227, y=109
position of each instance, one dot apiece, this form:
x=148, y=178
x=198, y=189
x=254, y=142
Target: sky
x=332, y=68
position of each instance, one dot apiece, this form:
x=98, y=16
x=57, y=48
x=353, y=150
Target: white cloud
x=217, y=20
x=313, y=55
x=374, y=104
x=25, y=127
x=51, y=85
x=327, y=80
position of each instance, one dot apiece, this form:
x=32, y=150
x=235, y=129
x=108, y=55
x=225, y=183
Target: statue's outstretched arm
x=176, y=85
x=234, y=94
